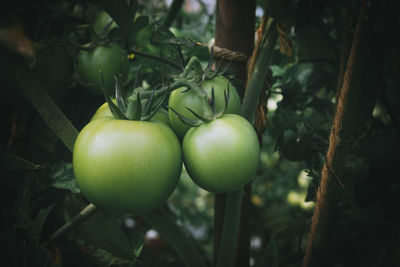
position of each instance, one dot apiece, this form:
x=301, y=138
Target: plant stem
x=174, y=235
x=193, y=65
x=175, y=85
x=173, y=64
x=256, y=82
x=172, y=12
x=83, y=215
x=230, y=229
x=233, y=201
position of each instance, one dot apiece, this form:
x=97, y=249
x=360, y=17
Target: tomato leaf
x=12, y=162
x=123, y=13
x=103, y=230
x=45, y=106
x=139, y=24
x=35, y=229
x=270, y=258
x=63, y=177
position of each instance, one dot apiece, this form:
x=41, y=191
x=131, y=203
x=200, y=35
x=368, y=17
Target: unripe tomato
x=111, y=59
x=179, y=101
x=127, y=166
x=222, y=155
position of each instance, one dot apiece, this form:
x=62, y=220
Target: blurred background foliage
x=38, y=192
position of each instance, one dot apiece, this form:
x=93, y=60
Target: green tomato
x=222, y=155
x=179, y=101
x=104, y=112
x=111, y=59
x=127, y=166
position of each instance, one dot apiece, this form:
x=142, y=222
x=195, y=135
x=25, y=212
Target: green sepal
x=211, y=101
x=117, y=113
x=130, y=110
x=227, y=94
x=185, y=120
x=201, y=118
x=137, y=114
x=154, y=110
x=150, y=101
x=120, y=96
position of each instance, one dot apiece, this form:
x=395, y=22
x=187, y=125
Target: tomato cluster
x=134, y=166
x=131, y=164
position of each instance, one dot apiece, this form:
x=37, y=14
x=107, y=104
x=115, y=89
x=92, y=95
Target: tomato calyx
x=204, y=118
x=131, y=107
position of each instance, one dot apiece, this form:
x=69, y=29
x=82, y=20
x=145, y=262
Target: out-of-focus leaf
x=139, y=24
x=45, y=106
x=270, y=258
x=63, y=177
x=12, y=162
x=275, y=10
x=104, y=231
x=123, y=13
x=36, y=227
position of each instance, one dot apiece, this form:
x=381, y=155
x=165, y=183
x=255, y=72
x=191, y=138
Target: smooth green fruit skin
x=111, y=59
x=179, y=101
x=222, y=155
x=104, y=112
x=127, y=166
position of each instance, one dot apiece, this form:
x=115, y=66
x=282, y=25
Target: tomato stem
x=230, y=229
x=193, y=68
x=83, y=215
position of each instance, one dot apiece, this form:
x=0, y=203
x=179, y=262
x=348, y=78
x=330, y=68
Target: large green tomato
x=104, y=112
x=179, y=101
x=127, y=166
x=111, y=59
x=222, y=155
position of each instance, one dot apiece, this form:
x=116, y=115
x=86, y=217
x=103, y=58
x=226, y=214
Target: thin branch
x=72, y=224
x=173, y=12
x=173, y=64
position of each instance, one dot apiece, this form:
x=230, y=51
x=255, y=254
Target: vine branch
x=83, y=215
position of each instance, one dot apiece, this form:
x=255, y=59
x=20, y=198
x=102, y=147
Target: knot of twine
x=226, y=54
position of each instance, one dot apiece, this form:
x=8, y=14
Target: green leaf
x=63, y=177
x=123, y=13
x=104, y=231
x=35, y=229
x=139, y=24
x=12, y=162
x=270, y=258
x=44, y=105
